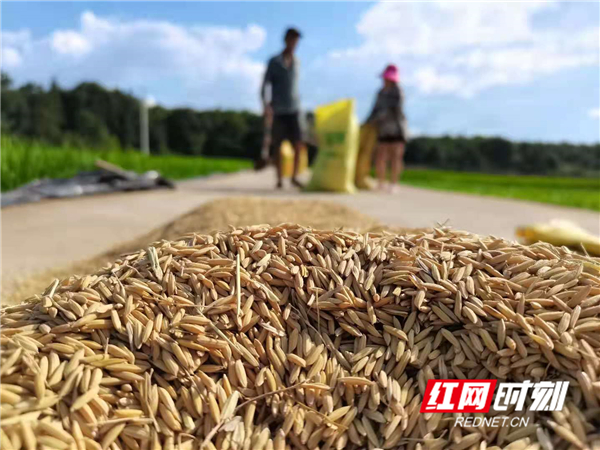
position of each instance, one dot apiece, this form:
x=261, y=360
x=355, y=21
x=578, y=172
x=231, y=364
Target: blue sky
x=526, y=71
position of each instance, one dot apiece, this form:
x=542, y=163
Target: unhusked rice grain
x=289, y=338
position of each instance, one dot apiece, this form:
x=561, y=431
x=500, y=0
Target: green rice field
x=24, y=161
x=575, y=192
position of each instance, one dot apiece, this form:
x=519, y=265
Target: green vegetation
x=24, y=161
x=90, y=116
x=58, y=132
x=576, y=192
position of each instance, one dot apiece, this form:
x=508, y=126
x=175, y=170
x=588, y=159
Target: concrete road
x=39, y=236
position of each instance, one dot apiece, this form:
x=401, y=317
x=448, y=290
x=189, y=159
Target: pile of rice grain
x=287, y=338
x=211, y=216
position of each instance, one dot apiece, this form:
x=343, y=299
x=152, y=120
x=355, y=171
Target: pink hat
x=391, y=73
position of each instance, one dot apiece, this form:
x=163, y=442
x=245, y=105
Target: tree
x=92, y=129
x=498, y=154
x=159, y=137
x=185, y=132
x=225, y=133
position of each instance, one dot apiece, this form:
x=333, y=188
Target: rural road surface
x=39, y=236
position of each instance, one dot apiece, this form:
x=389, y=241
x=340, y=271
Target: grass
x=575, y=192
x=24, y=161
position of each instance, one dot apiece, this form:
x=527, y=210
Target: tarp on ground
x=102, y=181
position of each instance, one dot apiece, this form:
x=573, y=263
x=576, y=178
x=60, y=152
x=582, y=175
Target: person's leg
x=312, y=153
x=265, y=153
x=397, y=161
x=296, y=139
x=298, y=147
x=381, y=157
x=276, y=140
x=278, y=163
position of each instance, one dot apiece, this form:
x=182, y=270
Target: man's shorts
x=286, y=127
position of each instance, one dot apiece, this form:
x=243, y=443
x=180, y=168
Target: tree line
x=90, y=115
x=498, y=155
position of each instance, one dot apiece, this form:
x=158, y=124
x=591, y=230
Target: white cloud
x=594, y=113
x=11, y=58
x=16, y=39
x=473, y=71
x=431, y=81
x=70, y=43
x=201, y=66
x=462, y=48
x=430, y=27
x=13, y=45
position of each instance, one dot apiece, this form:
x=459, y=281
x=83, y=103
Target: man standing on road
x=283, y=111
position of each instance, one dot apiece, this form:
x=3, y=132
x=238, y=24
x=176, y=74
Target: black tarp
x=104, y=180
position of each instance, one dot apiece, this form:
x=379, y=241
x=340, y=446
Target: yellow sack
x=287, y=159
x=559, y=233
x=368, y=142
x=337, y=132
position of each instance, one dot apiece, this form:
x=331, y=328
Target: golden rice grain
x=285, y=337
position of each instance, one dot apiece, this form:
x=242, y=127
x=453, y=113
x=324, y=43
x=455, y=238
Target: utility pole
x=144, y=127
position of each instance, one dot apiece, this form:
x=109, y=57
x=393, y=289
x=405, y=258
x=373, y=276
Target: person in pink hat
x=389, y=119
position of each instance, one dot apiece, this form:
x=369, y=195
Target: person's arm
x=374, y=111
x=399, y=114
x=378, y=111
x=399, y=106
x=263, y=90
x=267, y=115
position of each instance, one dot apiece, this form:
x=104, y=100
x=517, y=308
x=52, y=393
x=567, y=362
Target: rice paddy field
x=575, y=192
x=24, y=161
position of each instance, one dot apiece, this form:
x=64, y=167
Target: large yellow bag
x=368, y=142
x=337, y=132
x=287, y=159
